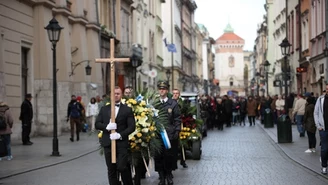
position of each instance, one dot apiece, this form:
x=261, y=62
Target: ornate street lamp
x=287, y=128
x=168, y=75
x=258, y=76
x=266, y=68
x=87, y=68
x=135, y=64
x=285, y=47
x=252, y=85
x=54, y=30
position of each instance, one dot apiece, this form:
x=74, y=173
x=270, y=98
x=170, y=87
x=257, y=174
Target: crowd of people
x=308, y=112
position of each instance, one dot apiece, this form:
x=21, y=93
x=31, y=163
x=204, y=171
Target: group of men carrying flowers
x=146, y=127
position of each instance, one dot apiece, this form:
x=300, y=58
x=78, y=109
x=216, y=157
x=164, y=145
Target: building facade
x=147, y=33
x=269, y=7
x=26, y=58
x=208, y=64
x=279, y=34
x=317, y=43
x=171, y=17
x=188, y=45
x=229, y=63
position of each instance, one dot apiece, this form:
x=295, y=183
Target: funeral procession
x=163, y=92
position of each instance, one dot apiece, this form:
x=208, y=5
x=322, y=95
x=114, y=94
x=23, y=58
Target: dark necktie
x=117, y=105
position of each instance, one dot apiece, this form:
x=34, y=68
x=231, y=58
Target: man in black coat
x=124, y=126
x=169, y=110
x=228, y=108
x=26, y=116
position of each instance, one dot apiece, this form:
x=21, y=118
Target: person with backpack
x=26, y=116
x=6, y=123
x=74, y=114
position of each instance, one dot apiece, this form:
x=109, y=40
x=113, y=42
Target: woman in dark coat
x=309, y=125
x=220, y=113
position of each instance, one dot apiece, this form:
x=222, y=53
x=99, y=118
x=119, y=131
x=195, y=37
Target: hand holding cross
x=112, y=61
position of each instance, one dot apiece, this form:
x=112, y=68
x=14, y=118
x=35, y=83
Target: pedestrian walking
x=227, y=104
x=6, y=122
x=309, y=124
x=91, y=113
x=26, y=116
x=280, y=104
x=243, y=110
x=220, y=112
x=74, y=113
x=321, y=122
x=251, y=110
x=235, y=111
x=298, y=113
x=124, y=126
x=166, y=159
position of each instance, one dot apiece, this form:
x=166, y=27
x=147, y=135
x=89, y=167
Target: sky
x=243, y=15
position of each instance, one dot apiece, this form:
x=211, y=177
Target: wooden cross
x=112, y=61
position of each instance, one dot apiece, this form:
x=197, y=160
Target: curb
x=51, y=164
x=289, y=156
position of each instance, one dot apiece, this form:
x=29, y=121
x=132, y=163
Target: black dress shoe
x=28, y=143
x=169, y=180
x=77, y=138
x=71, y=139
x=184, y=165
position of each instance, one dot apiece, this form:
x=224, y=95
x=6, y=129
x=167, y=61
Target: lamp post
x=257, y=83
x=266, y=68
x=168, y=75
x=87, y=68
x=285, y=50
x=53, y=30
x=252, y=84
x=135, y=64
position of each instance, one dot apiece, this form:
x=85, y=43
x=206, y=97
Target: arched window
x=231, y=61
x=231, y=81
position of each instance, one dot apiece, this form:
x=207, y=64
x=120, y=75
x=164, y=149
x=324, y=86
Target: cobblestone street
x=236, y=156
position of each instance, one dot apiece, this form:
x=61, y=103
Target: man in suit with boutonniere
x=165, y=161
x=124, y=126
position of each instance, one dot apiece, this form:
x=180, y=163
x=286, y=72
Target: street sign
x=152, y=73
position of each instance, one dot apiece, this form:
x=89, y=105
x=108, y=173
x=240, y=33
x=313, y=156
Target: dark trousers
x=140, y=171
x=251, y=120
x=312, y=139
x=121, y=167
x=26, y=131
x=242, y=118
x=166, y=160
x=324, y=147
x=229, y=119
x=220, y=124
x=75, y=122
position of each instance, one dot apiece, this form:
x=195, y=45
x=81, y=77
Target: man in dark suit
x=26, y=116
x=124, y=126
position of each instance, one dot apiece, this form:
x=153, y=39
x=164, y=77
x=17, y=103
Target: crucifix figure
x=112, y=61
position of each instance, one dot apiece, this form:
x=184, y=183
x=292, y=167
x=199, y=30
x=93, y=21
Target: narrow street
x=236, y=156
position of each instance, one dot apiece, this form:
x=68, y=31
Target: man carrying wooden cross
x=117, y=122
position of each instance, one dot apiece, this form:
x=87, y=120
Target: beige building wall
x=199, y=52
x=24, y=40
